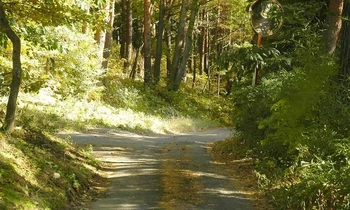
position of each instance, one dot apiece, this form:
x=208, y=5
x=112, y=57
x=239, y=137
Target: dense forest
x=197, y=59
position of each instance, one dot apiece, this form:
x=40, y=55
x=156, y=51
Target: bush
x=295, y=125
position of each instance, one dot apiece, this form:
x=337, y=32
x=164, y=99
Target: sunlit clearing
x=73, y=113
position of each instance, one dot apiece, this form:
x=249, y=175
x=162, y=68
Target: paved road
x=171, y=172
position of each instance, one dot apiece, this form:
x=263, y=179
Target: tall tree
x=16, y=70
x=179, y=44
x=159, y=47
x=147, y=43
x=108, y=35
x=183, y=43
x=334, y=22
x=180, y=73
x=168, y=37
x=128, y=36
x=123, y=28
x=345, y=43
x=203, y=42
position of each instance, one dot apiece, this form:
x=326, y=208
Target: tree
x=183, y=44
x=334, y=22
x=16, y=70
x=147, y=43
x=128, y=35
x=203, y=42
x=108, y=35
x=159, y=47
x=345, y=43
x=188, y=44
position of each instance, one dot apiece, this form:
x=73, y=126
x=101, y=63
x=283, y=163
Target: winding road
x=171, y=172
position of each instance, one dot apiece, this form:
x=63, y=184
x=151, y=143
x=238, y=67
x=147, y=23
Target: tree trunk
x=186, y=52
x=159, y=47
x=334, y=24
x=108, y=36
x=147, y=43
x=203, y=44
x=16, y=71
x=194, y=63
x=345, y=44
x=123, y=29
x=134, y=66
x=179, y=44
x=206, y=47
x=128, y=44
x=200, y=42
x=169, y=48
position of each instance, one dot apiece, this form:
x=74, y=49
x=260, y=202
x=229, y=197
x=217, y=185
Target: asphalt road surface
x=171, y=172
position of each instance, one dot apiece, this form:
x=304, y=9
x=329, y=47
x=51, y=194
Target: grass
x=41, y=171
x=132, y=109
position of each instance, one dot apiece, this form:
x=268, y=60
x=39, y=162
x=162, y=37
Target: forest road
x=171, y=172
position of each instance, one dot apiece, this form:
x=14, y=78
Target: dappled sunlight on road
x=223, y=192
x=163, y=172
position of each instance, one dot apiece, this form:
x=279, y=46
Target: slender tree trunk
x=147, y=43
x=169, y=48
x=194, y=62
x=204, y=44
x=123, y=29
x=100, y=33
x=5, y=27
x=159, y=46
x=186, y=52
x=334, y=22
x=206, y=47
x=179, y=44
x=134, y=66
x=345, y=43
x=108, y=36
x=215, y=43
x=129, y=48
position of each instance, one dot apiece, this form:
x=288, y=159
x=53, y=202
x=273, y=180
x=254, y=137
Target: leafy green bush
x=295, y=125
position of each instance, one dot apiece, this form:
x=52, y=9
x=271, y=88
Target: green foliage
x=3, y=41
x=296, y=126
x=295, y=122
x=59, y=59
x=242, y=60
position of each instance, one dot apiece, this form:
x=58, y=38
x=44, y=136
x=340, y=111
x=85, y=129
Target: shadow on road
x=163, y=172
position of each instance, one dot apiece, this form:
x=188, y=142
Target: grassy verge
x=40, y=171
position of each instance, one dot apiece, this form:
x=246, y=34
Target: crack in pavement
x=163, y=172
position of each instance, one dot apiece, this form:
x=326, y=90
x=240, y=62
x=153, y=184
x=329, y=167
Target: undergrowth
x=294, y=125
x=40, y=171
x=125, y=105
